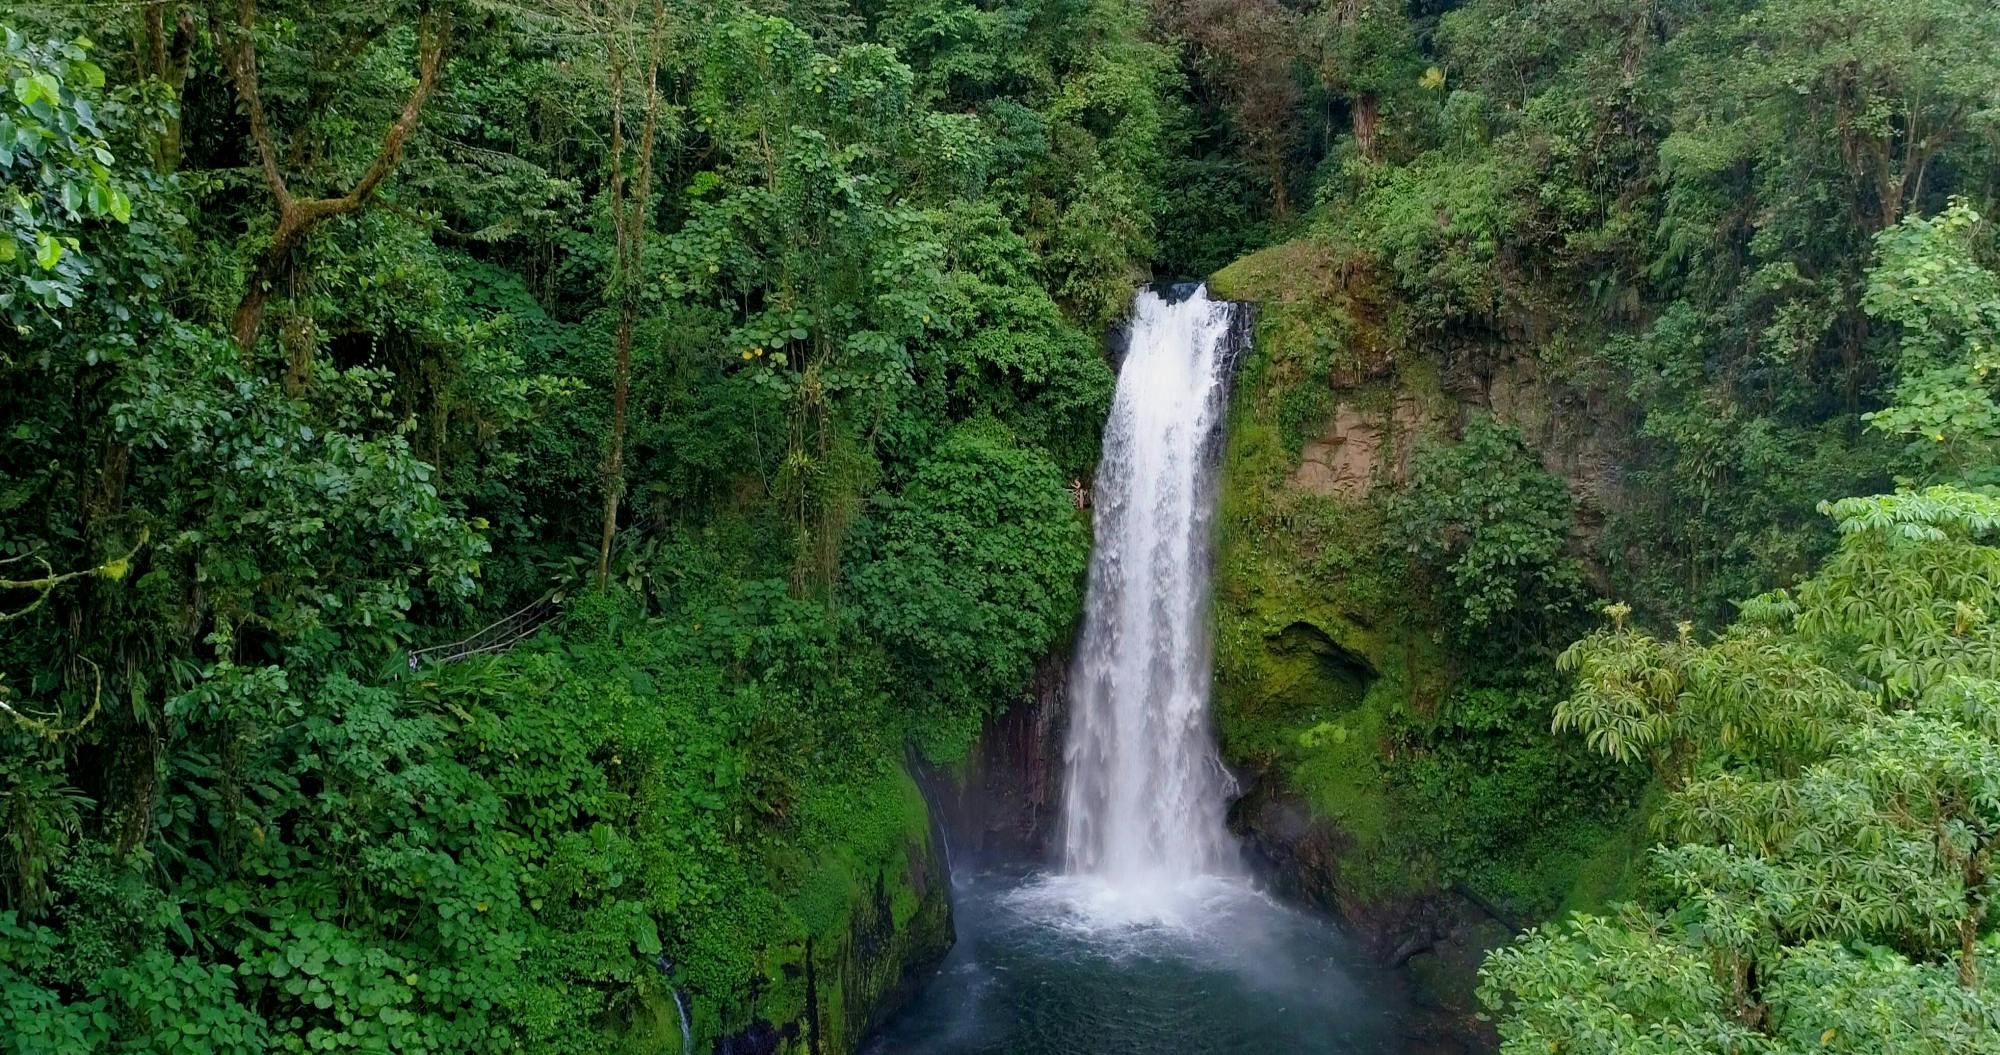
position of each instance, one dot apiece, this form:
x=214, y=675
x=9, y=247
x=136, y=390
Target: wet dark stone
x=758, y=1038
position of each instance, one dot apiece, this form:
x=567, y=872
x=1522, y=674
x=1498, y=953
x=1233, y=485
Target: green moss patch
x=1335, y=678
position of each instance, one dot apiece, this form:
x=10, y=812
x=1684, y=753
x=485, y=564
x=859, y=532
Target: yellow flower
x=482, y=906
x=746, y=355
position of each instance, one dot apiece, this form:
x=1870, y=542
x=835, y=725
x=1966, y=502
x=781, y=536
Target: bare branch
x=46, y=728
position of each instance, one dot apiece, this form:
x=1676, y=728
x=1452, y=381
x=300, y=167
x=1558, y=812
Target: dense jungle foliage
x=762, y=341
x=1728, y=263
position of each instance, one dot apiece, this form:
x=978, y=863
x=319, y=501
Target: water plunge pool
x=1064, y=965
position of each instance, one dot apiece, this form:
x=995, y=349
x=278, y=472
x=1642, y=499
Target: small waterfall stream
x=1154, y=935
x=687, y=1031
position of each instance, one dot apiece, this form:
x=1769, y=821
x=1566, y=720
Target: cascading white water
x=1146, y=793
x=1153, y=937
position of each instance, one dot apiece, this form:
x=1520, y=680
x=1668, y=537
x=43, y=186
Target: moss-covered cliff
x=1373, y=773
x=827, y=955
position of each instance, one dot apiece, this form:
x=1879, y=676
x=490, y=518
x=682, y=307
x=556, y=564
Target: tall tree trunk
x=1975, y=915
x=614, y=455
x=272, y=265
x=1281, y=200
x=630, y=202
x=165, y=57
x=1367, y=112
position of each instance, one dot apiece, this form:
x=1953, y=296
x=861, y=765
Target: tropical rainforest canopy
x=745, y=361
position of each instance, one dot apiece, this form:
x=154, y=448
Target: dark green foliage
x=1489, y=529
x=865, y=372
x=1677, y=204
x=864, y=379
x=1509, y=812
x=1716, y=261
x=974, y=572
x=1931, y=280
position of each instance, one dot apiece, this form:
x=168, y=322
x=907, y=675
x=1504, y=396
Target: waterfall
x=1153, y=935
x=687, y=1030
x=666, y=968
x=1146, y=791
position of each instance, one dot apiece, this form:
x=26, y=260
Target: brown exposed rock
x=1360, y=448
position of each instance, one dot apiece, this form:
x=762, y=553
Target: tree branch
x=296, y=219
x=47, y=583
x=239, y=60
x=46, y=728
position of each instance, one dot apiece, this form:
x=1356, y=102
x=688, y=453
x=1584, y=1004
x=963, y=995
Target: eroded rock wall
x=1004, y=804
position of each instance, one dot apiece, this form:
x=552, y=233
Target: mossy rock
x=1322, y=650
x=1309, y=666
x=852, y=937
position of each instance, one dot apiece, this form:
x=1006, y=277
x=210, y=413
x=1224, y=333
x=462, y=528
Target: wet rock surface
x=1437, y=938
x=1005, y=803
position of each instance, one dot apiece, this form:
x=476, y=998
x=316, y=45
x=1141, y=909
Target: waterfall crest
x=1146, y=791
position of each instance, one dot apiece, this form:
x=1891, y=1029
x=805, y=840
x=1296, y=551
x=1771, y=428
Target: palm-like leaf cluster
x=1833, y=769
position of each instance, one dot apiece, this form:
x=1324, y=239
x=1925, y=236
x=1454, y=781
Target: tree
x=631, y=202
x=973, y=573
x=1368, y=53
x=61, y=175
x=1488, y=528
x=166, y=55
x=1931, y=281
x=242, y=809
x=1253, y=52
x=1833, y=812
x=235, y=38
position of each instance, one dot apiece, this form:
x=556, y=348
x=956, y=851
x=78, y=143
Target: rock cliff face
x=1005, y=802
x=1318, y=654
x=1359, y=392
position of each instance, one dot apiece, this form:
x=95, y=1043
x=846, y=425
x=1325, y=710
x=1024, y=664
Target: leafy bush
x=1508, y=812
x=973, y=573
x=1489, y=528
